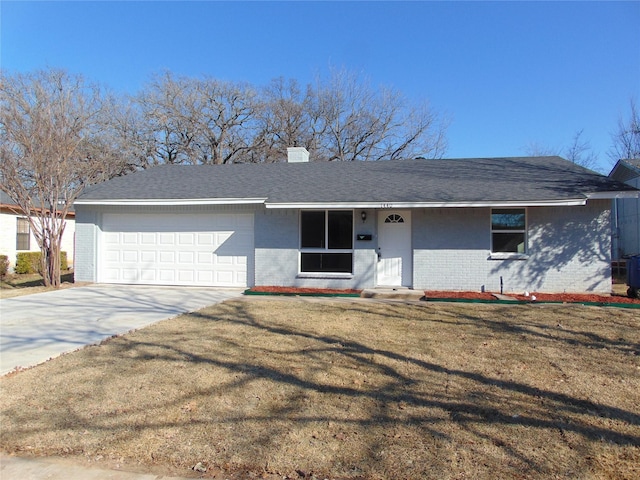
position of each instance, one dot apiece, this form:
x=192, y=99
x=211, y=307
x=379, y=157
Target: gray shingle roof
x=431, y=181
x=626, y=170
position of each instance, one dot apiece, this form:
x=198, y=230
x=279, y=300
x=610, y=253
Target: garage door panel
x=186, y=239
x=172, y=249
x=205, y=277
x=185, y=257
x=112, y=256
x=130, y=275
x=167, y=239
x=148, y=238
x=130, y=238
x=148, y=275
x=112, y=275
x=206, y=239
x=147, y=256
x=205, y=258
x=167, y=276
x=186, y=276
x=130, y=256
x=112, y=238
x=166, y=257
x=224, y=277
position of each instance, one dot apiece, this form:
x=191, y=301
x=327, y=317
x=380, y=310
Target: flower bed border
x=295, y=292
x=311, y=292
x=532, y=302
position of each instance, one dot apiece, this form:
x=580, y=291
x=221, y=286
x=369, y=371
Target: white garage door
x=176, y=249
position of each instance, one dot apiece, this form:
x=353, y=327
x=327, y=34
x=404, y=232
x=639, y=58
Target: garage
x=176, y=249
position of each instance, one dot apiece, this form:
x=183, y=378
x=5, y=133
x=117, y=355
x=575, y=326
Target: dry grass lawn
x=14, y=285
x=317, y=388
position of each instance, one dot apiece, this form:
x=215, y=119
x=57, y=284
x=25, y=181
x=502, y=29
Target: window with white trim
x=326, y=241
x=508, y=230
x=23, y=234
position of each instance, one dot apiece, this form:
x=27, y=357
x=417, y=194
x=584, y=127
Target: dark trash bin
x=633, y=276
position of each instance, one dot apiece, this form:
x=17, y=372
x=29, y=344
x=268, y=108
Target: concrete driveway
x=35, y=328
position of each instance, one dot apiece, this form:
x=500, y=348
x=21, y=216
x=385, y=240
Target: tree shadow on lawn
x=548, y=331
x=17, y=281
x=411, y=392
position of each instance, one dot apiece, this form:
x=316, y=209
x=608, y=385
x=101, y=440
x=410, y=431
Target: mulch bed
x=303, y=291
x=436, y=294
x=539, y=297
x=459, y=295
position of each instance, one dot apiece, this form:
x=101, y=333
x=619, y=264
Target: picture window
x=326, y=241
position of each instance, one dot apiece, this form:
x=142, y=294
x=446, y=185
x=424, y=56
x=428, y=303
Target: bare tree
x=197, y=121
x=54, y=140
x=283, y=121
x=578, y=152
x=226, y=125
x=626, y=140
x=536, y=149
x=354, y=121
x=166, y=125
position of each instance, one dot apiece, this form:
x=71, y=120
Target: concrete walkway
x=35, y=328
x=61, y=469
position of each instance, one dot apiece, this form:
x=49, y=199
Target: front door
x=394, y=248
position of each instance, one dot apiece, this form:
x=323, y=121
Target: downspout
x=616, y=232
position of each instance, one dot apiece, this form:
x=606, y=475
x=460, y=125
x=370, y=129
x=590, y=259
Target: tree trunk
x=50, y=261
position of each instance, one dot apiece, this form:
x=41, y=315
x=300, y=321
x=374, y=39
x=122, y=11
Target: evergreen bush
x=29, y=262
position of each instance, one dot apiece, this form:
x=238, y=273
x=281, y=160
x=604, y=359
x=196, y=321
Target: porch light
x=363, y=214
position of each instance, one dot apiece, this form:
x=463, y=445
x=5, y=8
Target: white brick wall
x=277, y=253
x=86, y=240
x=568, y=251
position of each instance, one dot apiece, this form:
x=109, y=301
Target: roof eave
x=614, y=194
x=171, y=202
x=457, y=204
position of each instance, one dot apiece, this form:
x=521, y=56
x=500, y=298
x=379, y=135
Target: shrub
x=4, y=265
x=29, y=262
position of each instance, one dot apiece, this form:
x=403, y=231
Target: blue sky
x=507, y=74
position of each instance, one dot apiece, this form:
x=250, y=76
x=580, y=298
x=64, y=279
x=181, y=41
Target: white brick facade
x=568, y=249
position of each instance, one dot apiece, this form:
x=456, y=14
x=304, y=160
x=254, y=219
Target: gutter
x=174, y=202
x=382, y=205
x=613, y=195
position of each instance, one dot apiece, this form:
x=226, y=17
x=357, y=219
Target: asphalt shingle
x=435, y=181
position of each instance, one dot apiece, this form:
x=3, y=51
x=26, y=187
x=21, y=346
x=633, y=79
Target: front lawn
x=16, y=285
x=317, y=388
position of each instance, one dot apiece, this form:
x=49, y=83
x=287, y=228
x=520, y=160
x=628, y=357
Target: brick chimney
x=297, y=155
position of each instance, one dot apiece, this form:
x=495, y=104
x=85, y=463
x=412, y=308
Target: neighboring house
x=536, y=224
x=626, y=212
x=16, y=235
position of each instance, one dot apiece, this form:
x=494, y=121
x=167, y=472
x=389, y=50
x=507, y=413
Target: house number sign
x=386, y=205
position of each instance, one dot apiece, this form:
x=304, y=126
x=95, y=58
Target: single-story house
x=535, y=223
x=16, y=235
x=626, y=211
